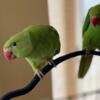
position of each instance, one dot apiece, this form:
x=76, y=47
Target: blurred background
x=67, y=16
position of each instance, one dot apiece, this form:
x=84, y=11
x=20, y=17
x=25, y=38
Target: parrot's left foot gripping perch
x=87, y=52
x=39, y=74
x=51, y=62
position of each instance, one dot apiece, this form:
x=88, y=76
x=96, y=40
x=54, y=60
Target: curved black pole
x=45, y=70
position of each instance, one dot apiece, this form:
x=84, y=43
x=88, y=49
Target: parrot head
x=95, y=15
x=19, y=45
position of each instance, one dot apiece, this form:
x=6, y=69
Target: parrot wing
x=86, y=23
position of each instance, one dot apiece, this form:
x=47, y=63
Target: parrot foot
x=87, y=52
x=39, y=74
x=51, y=62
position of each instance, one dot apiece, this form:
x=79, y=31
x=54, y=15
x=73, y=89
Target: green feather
x=84, y=65
x=86, y=23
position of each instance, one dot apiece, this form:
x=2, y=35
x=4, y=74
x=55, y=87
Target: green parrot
x=37, y=44
x=91, y=38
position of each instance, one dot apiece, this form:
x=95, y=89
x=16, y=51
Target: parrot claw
x=39, y=74
x=51, y=62
x=87, y=52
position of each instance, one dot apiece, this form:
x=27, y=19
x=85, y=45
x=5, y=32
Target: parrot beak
x=95, y=20
x=8, y=54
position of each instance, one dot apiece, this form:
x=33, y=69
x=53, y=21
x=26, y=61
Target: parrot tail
x=84, y=65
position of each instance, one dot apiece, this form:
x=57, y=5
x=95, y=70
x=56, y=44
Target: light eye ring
x=14, y=44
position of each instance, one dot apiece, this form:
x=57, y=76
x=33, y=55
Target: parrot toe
x=39, y=74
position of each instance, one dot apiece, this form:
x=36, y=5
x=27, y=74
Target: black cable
x=45, y=70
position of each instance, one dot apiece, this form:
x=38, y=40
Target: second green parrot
x=91, y=38
x=37, y=44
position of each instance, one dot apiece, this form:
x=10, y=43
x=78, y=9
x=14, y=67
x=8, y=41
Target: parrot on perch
x=37, y=44
x=91, y=38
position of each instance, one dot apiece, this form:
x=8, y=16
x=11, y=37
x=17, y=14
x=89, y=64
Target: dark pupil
x=14, y=44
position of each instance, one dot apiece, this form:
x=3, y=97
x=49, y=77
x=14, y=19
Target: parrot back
x=45, y=40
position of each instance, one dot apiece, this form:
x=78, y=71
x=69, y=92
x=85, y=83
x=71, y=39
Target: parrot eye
x=14, y=44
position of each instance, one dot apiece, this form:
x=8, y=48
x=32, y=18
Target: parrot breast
x=8, y=54
x=95, y=20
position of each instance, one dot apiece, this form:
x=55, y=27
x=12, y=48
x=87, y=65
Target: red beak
x=95, y=20
x=8, y=54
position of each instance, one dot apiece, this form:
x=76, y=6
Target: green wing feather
x=86, y=23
